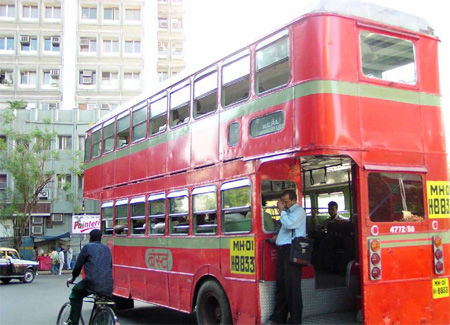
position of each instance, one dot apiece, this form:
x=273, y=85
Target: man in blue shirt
x=96, y=259
x=288, y=294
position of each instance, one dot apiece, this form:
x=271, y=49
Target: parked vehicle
x=13, y=267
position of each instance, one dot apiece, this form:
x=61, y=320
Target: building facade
x=70, y=62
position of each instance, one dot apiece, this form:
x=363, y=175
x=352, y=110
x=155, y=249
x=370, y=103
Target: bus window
x=96, y=143
x=158, y=114
x=205, y=93
x=137, y=212
x=139, y=123
x=272, y=62
x=271, y=191
x=179, y=212
x=236, y=208
x=387, y=58
x=236, y=79
x=204, y=206
x=123, y=130
x=108, y=136
x=180, y=97
x=107, y=218
x=267, y=124
x=121, y=222
x=234, y=134
x=395, y=197
x=157, y=214
x=87, y=148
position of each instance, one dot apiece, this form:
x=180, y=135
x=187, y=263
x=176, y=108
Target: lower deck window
x=395, y=197
x=236, y=207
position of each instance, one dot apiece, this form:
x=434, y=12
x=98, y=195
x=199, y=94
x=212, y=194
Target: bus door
x=329, y=186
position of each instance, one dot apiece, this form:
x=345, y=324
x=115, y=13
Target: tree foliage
x=24, y=156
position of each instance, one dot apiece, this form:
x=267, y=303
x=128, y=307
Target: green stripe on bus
x=278, y=98
x=412, y=239
x=196, y=242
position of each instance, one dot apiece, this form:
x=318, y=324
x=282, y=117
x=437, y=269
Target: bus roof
x=350, y=8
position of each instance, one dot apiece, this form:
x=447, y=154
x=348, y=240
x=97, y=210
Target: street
x=39, y=303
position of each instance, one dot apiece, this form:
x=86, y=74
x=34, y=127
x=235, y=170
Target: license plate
x=440, y=288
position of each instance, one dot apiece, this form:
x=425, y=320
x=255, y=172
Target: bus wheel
x=212, y=305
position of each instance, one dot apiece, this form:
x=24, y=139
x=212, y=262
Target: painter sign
x=84, y=223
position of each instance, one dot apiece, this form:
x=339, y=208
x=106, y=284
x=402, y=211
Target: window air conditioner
x=44, y=194
x=37, y=230
x=84, y=42
x=56, y=40
x=57, y=217
x=25, y=39
x=87, y=73
x=37, y=220
x=87, y=80
x=53, y=105
x=54, y=73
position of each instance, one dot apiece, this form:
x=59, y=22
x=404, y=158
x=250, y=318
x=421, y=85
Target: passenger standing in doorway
x=288, y=294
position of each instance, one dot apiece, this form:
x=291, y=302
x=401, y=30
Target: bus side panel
x=141, y=269
x=336, y=118
x=399, y=303
x=179, y=149
x=388, y=133
x=433, y=130
x=138, y=170
x=203, y=251
x=122, y=166
x=327, y=50
x=205, y=134
x=156, y=158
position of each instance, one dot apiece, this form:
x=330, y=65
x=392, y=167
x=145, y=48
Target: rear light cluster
x=375, y=259
x=438, y=253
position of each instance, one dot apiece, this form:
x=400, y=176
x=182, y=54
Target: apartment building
x=72, y=61
x=86, y=54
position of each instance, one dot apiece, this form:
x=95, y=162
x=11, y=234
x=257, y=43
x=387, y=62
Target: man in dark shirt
x=97, y=262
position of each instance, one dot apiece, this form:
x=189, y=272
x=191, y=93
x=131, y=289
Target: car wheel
x=28, y=277
x=6, y=280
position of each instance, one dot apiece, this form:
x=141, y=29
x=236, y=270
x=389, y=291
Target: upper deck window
x=272, y=62
x=205, y=93
x=388, y=58
x=179, y=104
x=236, y=78
x=158, y=113
x=139, y=120
x=395, y=197
x=179, y=212
x=123, y=130
x=87, y=148
x=96, y=142
x=108, y=136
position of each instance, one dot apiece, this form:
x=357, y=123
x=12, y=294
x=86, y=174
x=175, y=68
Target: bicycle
x=102, y=313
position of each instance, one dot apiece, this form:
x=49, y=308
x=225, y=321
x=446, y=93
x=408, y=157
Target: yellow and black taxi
x=13, y=267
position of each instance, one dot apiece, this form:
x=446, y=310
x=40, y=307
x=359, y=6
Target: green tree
x=24, y=156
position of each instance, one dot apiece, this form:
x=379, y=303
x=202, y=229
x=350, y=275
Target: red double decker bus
x=338, y=105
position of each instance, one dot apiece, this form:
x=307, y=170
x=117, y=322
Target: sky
x=215, y=28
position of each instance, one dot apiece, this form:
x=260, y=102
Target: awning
x=65, y=236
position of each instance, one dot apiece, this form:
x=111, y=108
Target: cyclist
x=97, y=261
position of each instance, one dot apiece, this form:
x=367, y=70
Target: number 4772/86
x=402, y=229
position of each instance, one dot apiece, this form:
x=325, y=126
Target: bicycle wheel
x=104, y=315
x=64, y=313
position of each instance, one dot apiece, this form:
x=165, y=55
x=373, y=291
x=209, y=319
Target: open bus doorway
x=329, y=198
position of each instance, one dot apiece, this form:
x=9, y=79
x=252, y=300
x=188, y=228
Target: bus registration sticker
x=242, y=255
x=440, y=288
x=438, y=193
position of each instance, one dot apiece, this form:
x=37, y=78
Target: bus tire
x=212, y=304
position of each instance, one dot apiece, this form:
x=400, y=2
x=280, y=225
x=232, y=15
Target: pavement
x=50, y=273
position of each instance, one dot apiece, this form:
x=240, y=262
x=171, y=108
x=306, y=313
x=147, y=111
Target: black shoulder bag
x=301, y=250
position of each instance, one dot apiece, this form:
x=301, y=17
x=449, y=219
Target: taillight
x=375, y=259
x=438, y=253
